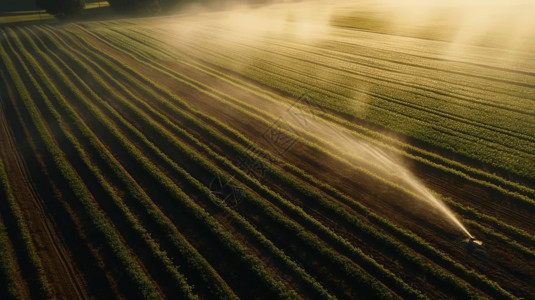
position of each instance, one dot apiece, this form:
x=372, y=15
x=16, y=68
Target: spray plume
x=382, y=162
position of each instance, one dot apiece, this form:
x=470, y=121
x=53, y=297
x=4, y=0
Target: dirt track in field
x=500, y=263
x=61, y=272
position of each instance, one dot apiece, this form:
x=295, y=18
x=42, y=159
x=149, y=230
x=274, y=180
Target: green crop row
x=210, y=278
x=287, y=84
x=38, y=282
x=498, y=291
x=427, y=158
x=7, y=269
x=180, y=197
x=180, y=282
x=205, y=191
x=344, y=63
x=7, y=275
x=498, y=226
x=524, y=200
x=141, y=282
x=250, y=230
x=501, y=238
x=212, y=281
x=499, y=189
x=177, y=145
x=383, y=102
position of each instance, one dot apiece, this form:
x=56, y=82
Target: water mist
x=415, y=185
x=386, y=165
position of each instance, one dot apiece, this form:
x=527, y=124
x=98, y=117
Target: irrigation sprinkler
x=472, y=244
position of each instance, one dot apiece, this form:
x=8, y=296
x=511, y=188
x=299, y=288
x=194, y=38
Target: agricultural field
x=283, y=151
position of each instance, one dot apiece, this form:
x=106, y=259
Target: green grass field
x=285, y=151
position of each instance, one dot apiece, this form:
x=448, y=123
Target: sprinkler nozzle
x=473, y=243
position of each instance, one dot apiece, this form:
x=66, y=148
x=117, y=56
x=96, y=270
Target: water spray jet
x=415, y=185
x=388, y=165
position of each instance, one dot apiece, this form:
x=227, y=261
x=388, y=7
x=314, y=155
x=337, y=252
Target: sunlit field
x=313, y=149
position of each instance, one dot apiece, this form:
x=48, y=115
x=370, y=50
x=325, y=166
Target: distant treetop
x=145, y=6
x=62, y=8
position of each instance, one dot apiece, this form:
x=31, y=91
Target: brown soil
x=62, y=273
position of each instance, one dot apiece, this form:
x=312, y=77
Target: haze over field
x=504, y=23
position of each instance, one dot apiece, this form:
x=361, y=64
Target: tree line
x=69, y=8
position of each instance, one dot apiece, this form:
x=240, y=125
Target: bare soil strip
x=61, y=271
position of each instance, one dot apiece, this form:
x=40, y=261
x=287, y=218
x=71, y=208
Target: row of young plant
x=329, y=68
x=384, y=101
x=451, y=166
x=7, y=273
x=487, y=177
x=216, y=32
x=212, y=281
x=162, y=260
x=501, y=238
x=269, y=77
x=154, y=97
x=18, y=232
x=390, y=66
x=432, y=54
x=519, y=235
x=98, y=220
x=403, y=242
x=141, y=136
x=191, y=154
x=385, y=52
x=433, y=76
x=161, y=216
x=178, y=195
x=455, y=168
x=8, y=281
x=526, y=201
